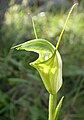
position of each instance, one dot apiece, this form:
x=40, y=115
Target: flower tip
x=75, y=4
x=15, y=47
x=12, y=47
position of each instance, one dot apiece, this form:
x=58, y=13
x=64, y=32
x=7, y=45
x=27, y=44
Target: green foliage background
x=22, y=94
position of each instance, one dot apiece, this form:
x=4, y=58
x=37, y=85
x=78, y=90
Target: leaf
x=48, y=64
x=58, y=109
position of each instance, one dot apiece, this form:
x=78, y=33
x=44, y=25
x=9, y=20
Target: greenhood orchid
x=49, y=66
x=49, y=63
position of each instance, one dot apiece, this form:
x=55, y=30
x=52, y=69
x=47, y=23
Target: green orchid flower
x=48, y=64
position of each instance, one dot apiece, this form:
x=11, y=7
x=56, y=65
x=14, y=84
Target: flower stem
x=52, y=106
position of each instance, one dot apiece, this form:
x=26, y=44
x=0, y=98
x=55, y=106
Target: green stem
x=52, y=106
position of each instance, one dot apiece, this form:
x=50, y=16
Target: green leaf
x=56, y=114
x=48, y=64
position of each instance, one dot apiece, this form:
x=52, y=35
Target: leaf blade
x=58, y=109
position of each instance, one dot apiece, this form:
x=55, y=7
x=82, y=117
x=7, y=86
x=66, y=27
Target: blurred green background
x=22, y=93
